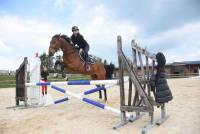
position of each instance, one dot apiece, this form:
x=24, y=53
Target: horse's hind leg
x=102, y=77
x=100, y=94
x=105, y=94
x=94, y=77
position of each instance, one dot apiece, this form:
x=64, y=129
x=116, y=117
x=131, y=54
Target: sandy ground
x=76, y=117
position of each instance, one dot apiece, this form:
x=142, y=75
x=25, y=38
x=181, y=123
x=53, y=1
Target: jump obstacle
x=82, y=82
x=54, y=85
x=142, y=102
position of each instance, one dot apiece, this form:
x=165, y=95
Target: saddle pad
x=91, y=60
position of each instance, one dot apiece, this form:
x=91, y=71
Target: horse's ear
x=59, y=36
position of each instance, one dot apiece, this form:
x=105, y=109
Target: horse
x=72, y=60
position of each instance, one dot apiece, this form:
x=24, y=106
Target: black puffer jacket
x=80, y=41
x=163, y=93
x=158, y=82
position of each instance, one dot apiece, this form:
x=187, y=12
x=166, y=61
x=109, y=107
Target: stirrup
x=88, y=67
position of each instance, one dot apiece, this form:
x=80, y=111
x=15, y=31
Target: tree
x=47, y=61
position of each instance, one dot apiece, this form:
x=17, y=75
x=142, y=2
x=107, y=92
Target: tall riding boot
x=86, y=62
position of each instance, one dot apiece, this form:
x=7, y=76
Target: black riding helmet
x=74, y=28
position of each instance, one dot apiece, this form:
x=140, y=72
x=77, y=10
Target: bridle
x=58, y=38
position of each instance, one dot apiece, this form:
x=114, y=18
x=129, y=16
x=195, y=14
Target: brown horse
x=72, y=60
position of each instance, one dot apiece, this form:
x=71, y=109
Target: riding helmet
x=74, y=28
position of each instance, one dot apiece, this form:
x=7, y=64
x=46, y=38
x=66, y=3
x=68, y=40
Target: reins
x=69, y=51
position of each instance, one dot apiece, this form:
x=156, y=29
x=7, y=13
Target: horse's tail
x=109, y=71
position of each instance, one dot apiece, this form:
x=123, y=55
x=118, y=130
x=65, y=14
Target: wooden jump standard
x=142, y=101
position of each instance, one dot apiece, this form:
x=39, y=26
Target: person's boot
x=86, y=63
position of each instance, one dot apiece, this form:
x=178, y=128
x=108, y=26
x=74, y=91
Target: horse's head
x=55, y=44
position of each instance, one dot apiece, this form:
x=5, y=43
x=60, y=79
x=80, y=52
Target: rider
x=82, y=44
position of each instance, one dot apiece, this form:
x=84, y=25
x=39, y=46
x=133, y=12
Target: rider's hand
x=80, y=50
x=76, y=46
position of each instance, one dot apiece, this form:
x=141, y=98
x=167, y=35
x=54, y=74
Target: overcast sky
x=170, y=26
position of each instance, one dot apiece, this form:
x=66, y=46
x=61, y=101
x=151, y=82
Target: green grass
x=6, y=77
x=9, y=81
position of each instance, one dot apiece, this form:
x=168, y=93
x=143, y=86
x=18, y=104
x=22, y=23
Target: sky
x=168, y=26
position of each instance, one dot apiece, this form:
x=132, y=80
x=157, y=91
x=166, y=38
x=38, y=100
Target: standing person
x=77, y=39
x=44, y=74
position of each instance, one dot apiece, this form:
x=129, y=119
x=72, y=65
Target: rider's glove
x=80, y=50
x=76, y=46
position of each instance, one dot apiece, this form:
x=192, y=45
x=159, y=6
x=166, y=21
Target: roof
x=185, y=63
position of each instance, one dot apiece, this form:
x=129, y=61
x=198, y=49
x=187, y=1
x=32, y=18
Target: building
x=175, y=69
x=185, y=68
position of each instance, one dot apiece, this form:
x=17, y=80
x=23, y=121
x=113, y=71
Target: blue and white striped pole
x=97, y=104
x=96, y=89
x=82, y=82
x=61, y=100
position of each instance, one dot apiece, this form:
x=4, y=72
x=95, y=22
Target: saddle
x=91, y=58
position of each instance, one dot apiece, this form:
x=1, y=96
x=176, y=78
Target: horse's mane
x=56, y=36
x=67, y=38
x=63, y=36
